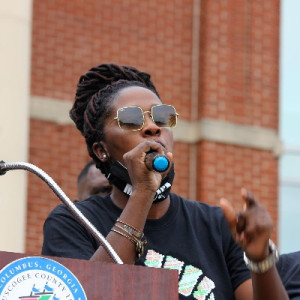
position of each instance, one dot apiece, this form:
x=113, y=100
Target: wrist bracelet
x=130, y=229
x=266, y=264
x=140, y=244
x=125, y=235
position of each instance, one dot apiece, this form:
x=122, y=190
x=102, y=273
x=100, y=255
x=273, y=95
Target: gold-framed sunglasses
x=132, y=117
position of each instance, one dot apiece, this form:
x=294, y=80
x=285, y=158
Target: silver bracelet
x=266, y=264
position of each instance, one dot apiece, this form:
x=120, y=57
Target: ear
x=100, y=151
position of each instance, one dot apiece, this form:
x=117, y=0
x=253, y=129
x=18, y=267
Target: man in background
x=288, y=268
x=91, y=181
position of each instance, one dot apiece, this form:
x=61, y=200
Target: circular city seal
x=39, y=278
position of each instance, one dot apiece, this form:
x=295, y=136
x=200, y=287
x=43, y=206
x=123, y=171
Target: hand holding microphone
x=156, y=162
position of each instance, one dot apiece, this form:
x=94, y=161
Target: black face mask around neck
x=119, y=177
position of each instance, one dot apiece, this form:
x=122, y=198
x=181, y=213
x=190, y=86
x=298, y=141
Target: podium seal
x=39, y=278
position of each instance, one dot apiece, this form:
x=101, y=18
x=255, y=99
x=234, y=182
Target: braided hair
x=95, y=93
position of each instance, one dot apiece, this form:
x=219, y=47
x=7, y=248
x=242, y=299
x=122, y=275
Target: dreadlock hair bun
x=93, y=100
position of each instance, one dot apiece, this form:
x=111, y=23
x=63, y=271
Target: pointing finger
x=248, y=198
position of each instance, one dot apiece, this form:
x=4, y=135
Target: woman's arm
x=136, y=208
x=252, y=229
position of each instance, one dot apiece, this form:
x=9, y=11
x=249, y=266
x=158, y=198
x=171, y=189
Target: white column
x=15, y=45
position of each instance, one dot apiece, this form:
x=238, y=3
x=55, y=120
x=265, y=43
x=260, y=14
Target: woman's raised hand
x=141, y=177
x=251, y=227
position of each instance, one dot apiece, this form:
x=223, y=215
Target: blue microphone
x=157, y=162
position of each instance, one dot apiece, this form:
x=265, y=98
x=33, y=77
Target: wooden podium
x=113, y=281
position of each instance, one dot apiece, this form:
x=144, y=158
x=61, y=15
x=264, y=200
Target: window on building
x=289, y=170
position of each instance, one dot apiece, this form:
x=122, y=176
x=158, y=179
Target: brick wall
x=239, y=62
x=238, y=83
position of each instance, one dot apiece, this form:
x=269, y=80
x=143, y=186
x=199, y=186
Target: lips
x=161, y=143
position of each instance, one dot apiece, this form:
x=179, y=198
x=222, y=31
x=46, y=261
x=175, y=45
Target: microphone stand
x=62, y=196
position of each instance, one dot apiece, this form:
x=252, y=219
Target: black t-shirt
x=288, y=268
x=192, y=237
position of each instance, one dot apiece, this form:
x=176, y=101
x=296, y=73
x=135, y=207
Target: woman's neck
x=156, y=211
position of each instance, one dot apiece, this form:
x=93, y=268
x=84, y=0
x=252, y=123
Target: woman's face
x=119, y=141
